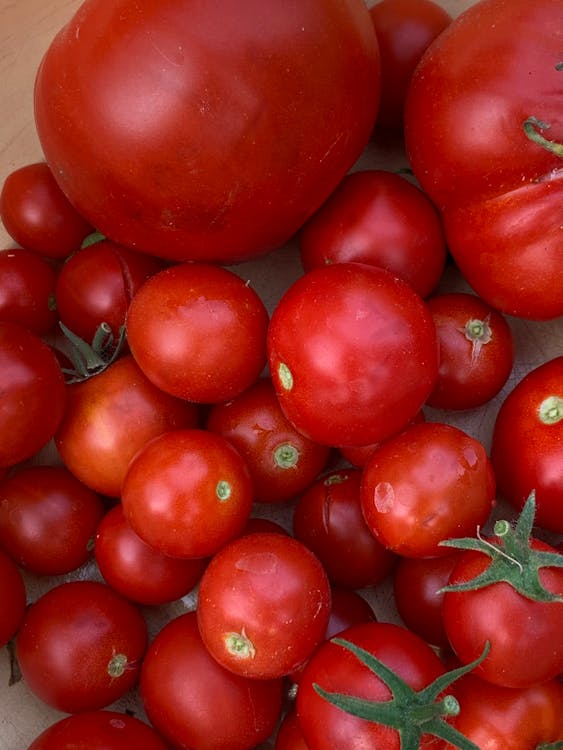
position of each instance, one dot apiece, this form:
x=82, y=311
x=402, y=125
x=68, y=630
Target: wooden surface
x=26, y=28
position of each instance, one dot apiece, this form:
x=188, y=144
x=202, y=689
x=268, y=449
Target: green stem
x=531, y=127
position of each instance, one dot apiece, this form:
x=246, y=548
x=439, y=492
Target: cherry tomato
x=198, y=332
x=14, y=598
x=263, y=605
x=27, y=290
x=194, y=702
x=352, y=353
x=80, y=646
x=380, y=218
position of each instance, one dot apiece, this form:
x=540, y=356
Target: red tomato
x=527, y=443
x=328, y=519
x=379, y=218
x=32, y=394
x=194, y=702
x=38, y=216
x=218, y=130
x=198, y=332
x=98, y=730
x=48, y=519
x=476, y=351
x=429, y=483
x=109, y=418
x=80, y=646
x=282, y=462
x=352, y=353
x=187, y=493
x=404, y=29
x=263, y=605
x=27, y=290
x=13, y=598
x=480, y=139
x=96, y=285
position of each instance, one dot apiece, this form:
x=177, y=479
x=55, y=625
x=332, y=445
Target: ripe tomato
x=13, y=598
x=32, y=394
x=263, y=605
x=219, y=129
x=194, y=702
x=98, y=730
x=352, y=353
x=187, y=493
x=429, y=483
x=380, y=218
x=27, y=290
x=80, y=646
x=198, y=332
x=481, y=140
x=48, y=519
x=37, y=215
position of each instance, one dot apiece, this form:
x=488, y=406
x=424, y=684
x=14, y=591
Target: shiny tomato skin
x=48, y=519
x=98, y=730
x=529, y=425
x=429, y=483
x=263, y=605
x=14, y=598
x=80, y=646
x=352, y=353
x=109, y=418
x=218, y=133
x=27, y=290
x=33, y=394
x=198, y=332
x=37, y=214
x=194, y=702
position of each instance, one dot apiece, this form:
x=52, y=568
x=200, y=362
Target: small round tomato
x=263, y=605
x=187, y=492
x=352, y=353
x=27, y=290
x=429, y=483
x=80, y=646
x=48, y=519
x=476, y=351
x=137, y=571
x=37, y=215
x=194, y=702
x=98, y=730
x=198, y=332
x=14, y=597
x=380, y=218
x=33, y=394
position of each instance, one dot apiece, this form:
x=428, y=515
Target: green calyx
x=411, y=713
x=92, y=359
x=532, y=127
x=512, y=558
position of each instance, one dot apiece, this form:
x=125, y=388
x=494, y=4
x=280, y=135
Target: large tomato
x=219, y=128
x=482, y=115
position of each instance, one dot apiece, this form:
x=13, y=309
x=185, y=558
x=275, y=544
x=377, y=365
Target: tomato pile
x=276, y=467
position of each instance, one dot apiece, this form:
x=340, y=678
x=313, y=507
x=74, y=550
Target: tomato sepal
x=92, y=359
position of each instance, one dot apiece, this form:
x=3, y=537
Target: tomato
x=109, y=418
x=282, y=462
x=14, y=598
x=32, y=394
x=380, y=218
x=98, y=730
x=481, y=142
x=263, y=605
x=37, y=215
x=48, y=519
x=529, y=425
x=218, y=132
x=96, y=285
x=352, y=354
x=137, y=571
x=476, y=351
x=187, y=493
x=194, y=702
x=404, y=29
x=198, y=332
x=431, y=482
x=80, y=646
x=27, y=289
x=328, y=519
